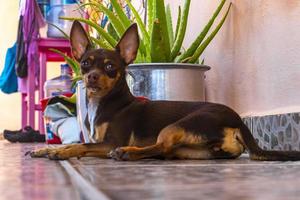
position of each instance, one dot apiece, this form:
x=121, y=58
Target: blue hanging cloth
x=8, y=78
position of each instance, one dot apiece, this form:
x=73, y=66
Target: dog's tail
x=256, y=153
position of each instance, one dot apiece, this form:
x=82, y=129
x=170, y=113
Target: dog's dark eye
x=85, y=63
x=109, y=68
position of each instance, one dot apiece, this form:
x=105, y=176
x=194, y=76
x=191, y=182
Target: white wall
x=255, y=58
x=9, y=104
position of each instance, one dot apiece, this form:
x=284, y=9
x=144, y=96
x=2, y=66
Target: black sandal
x=27, y=134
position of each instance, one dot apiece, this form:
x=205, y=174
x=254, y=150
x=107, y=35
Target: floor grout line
x=85, y=188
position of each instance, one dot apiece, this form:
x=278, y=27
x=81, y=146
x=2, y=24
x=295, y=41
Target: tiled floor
x=26, y=178
x=222, y=179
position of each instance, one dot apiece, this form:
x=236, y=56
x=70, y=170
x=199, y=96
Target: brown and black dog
x=127, y=128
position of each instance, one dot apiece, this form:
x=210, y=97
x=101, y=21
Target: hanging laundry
x=8, y=78
x=32, y=22
x=21, y=57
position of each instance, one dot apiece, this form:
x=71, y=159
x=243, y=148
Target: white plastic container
x=60, y=85
x=58, y=10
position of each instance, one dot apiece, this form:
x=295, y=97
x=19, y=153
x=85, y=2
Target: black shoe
x=27, y=134
x=25, y=129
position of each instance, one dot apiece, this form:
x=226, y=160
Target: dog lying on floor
x=127, y=128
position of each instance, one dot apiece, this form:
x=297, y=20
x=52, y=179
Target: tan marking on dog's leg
x=174, y=135
x=131, y=140
x=231, y=143
x=100, y=132
x=191, y=153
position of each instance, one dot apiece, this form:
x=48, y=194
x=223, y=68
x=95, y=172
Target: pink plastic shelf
x=29, y=106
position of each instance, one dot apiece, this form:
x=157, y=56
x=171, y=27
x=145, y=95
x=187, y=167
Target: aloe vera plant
x=159, y=42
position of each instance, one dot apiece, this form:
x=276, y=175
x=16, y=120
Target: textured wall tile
x=276, y=132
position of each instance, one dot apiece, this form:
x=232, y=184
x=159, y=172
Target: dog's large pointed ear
x=129, y=44
x=79, y=40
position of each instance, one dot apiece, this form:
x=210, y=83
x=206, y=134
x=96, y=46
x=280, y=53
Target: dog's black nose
x=93, y=77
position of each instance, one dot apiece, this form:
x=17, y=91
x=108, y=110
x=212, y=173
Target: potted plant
x=163, y=68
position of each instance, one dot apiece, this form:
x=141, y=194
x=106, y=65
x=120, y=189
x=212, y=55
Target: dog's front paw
x=40, y=153
x=119, y=154
x=51, y=153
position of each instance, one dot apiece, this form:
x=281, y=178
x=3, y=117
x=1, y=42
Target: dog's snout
x=93, y=77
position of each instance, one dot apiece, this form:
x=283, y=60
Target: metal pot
x=167, y=81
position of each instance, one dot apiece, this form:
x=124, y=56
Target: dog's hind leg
x=169, y=139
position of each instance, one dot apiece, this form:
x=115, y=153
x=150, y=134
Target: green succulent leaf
x=150, y=15
x=163, y=26
x=158, y=53
x=206, y=42
x=120, y=13
x=112, y=31
x=181, y=30
x=71, y=62
x=178, y=21
x=101, y=43
x=191, y=50
x=202, y=62
x=139, y=22
x=114, y=20
x=169, y=24
x=98, y=28
x=75, y=79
